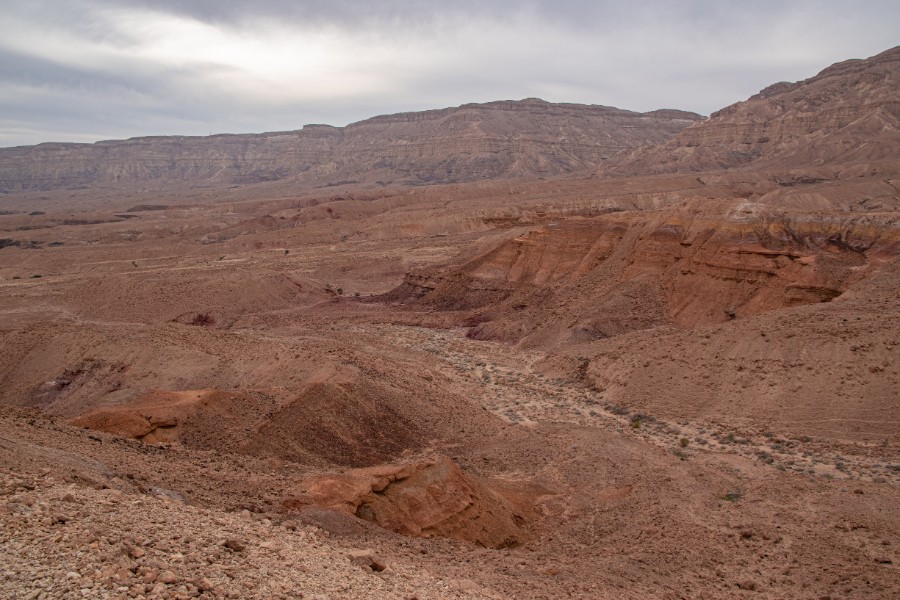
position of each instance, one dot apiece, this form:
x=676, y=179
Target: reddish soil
x=664, y=385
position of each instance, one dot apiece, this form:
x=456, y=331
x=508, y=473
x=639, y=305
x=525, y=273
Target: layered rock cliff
x=847, y=114
x=525, y=139
x=695, y=264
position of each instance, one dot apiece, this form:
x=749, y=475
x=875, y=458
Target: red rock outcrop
x=201, y=418
x=342, y=414
x=433, y=498
x=697, y=264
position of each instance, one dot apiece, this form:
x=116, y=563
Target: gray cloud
x=93, y=69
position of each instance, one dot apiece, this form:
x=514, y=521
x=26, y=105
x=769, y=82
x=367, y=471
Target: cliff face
x=529, y=139
x=219, y=158
x=848, y=113
x=698, y=263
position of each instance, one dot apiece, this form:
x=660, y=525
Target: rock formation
x=691, y=264
x=526, y=139
x=849, y=114
x=425, y=499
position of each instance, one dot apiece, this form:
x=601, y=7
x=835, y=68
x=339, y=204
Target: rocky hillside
x=697, y=263
x=847, y=114
x=526, y=139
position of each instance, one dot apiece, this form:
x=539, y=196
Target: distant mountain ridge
x=847, y=114
x=509, y=139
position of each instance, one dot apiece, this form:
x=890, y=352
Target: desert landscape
x=518, y=349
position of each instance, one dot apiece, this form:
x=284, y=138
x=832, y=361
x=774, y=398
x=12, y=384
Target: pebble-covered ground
x=63, y=540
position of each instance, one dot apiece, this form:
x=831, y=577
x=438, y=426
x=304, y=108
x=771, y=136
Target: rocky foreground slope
x=526, y=139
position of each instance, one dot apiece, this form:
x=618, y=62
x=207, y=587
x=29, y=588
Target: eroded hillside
x=662, y=385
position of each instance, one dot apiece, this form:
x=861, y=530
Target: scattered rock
x=203, y=584
x=366, y=558
x=167, y=577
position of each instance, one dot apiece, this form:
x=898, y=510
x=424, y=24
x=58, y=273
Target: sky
x=87, y=70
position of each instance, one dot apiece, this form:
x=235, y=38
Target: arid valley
x=507, y=350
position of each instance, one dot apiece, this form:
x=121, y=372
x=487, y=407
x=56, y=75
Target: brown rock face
x=341, y=417
x=425, y=499
x=529, y=139
x=846, y=114
x=592, y=278
x=353, y=423
x=204, y=418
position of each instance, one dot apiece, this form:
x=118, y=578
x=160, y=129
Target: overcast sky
x=85, y=70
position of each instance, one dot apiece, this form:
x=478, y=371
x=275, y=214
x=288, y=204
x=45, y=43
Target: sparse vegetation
x=203, y=320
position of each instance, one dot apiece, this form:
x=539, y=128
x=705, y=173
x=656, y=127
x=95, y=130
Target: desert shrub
x=683, y=442
x=732, y=496
x=203, y=320
x=765, y=457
